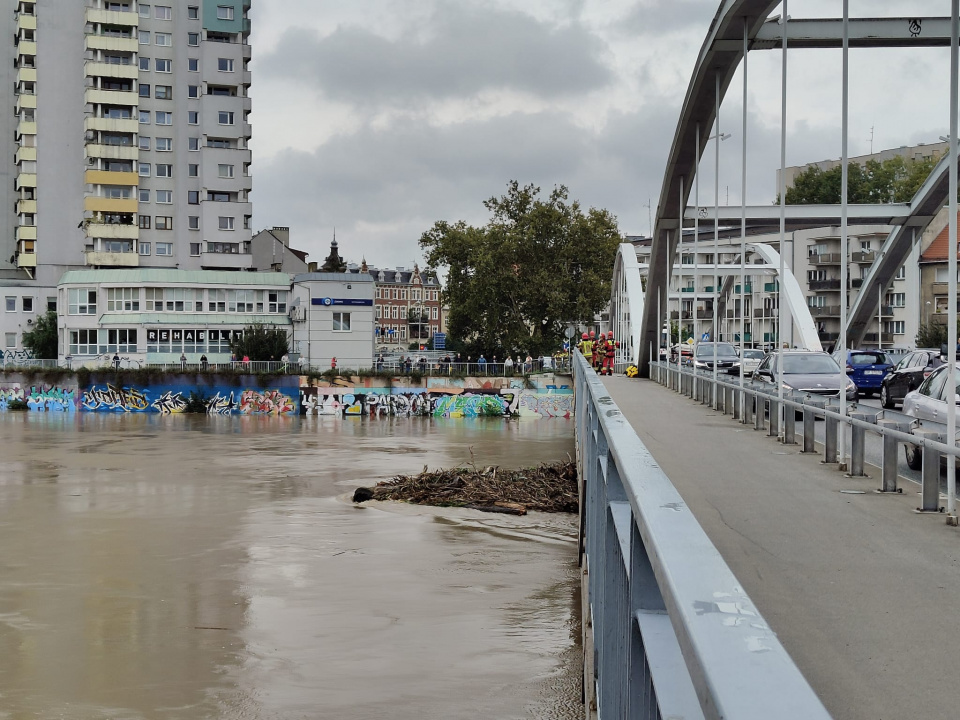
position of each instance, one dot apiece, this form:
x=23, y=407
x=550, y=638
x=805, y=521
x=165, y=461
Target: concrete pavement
x=861, y=590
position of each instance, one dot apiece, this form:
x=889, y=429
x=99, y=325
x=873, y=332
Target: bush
x=197, y=404
x=18, y=405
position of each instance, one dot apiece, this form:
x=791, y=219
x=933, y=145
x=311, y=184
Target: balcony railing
x=864, y=257
x=826, y=311
x=824, y=284
x=825, y=259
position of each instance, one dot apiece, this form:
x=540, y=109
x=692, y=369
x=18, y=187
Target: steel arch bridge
x=741, y=26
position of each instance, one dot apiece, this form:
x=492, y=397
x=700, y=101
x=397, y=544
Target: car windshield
x=723, y=350
x=868, y=358
x=753, y=354
x=812, y=364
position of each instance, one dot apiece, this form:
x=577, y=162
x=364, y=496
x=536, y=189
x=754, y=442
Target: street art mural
x=40, y=398
x=170, y=400
x=12, y=357
x=435, y=402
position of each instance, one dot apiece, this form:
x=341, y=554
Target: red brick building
x=407, y=304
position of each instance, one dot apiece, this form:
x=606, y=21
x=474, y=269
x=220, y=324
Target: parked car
x=928, y=402
x=749, y=359
x=807, y=371
x=912, y=369
x=866, y=368
x=705, y=352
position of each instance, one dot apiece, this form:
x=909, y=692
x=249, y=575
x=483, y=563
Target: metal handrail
x=674, y=633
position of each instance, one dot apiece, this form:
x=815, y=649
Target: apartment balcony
x=686, y=289
x=940, y=288
x=105, y=42
x=106, y=124
x=110, y=70
x=247, y=54
x=731, y=314
x=856, y=282
x=864, y=257
x=771, y=287
x=749, y=289
x=27, y=260
x=762, y=313
x=25, y=127
x=824, y=284
x=93, y=96
x=26, y=180
x=25, y=153
x=886, y=310
x=112, y=231
x=829, y=336
x=825, y=311
x=110, y=177
x=112, y=17
x=704, y=314
x=112, y=152
x=26, y=22
x=870, y=337
x=707, y=288
x=226, y=261
x=26, y=74
x=93, y=203
x=112, y=259
x=25, y=100
x=26, y=47
x=26, y=206
x=247, y=78
x=825, y=259
x=26, y=232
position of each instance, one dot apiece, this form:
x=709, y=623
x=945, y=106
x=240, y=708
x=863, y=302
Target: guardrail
x=673, y=633
x=760, y=405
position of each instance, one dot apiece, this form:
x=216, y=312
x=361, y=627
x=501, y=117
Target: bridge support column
x=830, y=440
x=773, y=427
x=930, y=494
x=858, y=441
x=890, y=446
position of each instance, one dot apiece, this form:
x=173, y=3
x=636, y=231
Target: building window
x=193, y=91
x=193, y=64
x=193, y=222
x=224, y=12
x=165, y=197
x=195, y=249
x=145, y=247
x=225, y=223
x=193, y=12
x=163, y=13
x=164, y=66
x=144, y=117
x=11, y=303
x=163, y=92
x=193, y=117
x=378, y=312
x=193, y=197
x=164, y=170
x=143, y=195
x=144, y=10
x=394, y=312
x=10, y=339
x=144, y=37
x=225, y=64
x=144, y=90
x=122, y=340
x=217, y=300
x=145, y=64
x=225, y=118
x=341, y=322
x=193, y=144
x=435, y=313
x=240, y=301
x=163, y=222
x=193, y=39
x=144, y=169
x=894, y=327
x=164, y=118
x=154, y=299
x=277, y=301
x=164, y=39
x=83, y=342
x=83, y=301
x=193, y=171
x=123, y=300
x=898, y=300
x=901, y=274
x=164, y=144
x=225, y=171
x=164, y=248
x=145, y=225
x=51, y=304
x=144, y=142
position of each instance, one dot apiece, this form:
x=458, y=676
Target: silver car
x=929, y=402
x=807, y=371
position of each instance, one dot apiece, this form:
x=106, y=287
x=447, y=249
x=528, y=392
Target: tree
x=893, y=180
x=261, y=343
x=42, y=340
x=933, y=335
x=516, y=283
x=684, y=334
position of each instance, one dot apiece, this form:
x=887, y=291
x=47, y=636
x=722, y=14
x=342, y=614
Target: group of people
x=458, y=364
x=599, y=352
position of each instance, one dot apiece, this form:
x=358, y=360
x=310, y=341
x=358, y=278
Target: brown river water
x=214, y=567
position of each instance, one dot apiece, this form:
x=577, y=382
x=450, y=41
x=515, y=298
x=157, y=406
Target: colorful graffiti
x=434, y=402
x=40, y=399
x=168, y=401
x=15, y=356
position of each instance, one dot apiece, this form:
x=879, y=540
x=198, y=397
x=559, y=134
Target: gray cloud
x=655, y=17
x=462, y=50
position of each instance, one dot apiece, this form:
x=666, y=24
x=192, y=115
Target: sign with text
x=350, y=302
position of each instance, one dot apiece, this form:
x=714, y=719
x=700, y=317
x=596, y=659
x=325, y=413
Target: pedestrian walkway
x=861, y=590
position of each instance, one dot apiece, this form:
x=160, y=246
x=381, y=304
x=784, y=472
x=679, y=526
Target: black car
x=907, y=375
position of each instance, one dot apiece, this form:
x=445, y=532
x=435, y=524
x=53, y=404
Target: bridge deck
x=861, y=590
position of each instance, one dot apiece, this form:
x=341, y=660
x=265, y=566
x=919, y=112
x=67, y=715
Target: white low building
x=333, y=317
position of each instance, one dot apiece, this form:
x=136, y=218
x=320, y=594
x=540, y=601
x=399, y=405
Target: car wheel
x=913, y=456
x=885, y=400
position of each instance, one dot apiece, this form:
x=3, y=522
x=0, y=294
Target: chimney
x=311, y=267
x=282, y=234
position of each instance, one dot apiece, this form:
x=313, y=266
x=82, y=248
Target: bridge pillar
x=890, y=445
x=930, y=494
x=830, y=440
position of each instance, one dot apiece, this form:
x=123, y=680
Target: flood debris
x=547, y=488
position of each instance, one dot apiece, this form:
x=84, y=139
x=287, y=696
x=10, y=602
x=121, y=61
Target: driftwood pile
x=547, y=488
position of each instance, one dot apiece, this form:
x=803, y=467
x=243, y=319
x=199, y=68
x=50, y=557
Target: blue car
x=867, y=368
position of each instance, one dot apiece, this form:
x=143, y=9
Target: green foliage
x=260, y=343
x=685, y=334
x=18, y=405
x=932, y=335
x=515, y=284
x=893, y=180
x=197, y=404
x=42, y=340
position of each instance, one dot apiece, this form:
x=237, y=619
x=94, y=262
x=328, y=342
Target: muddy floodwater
x=213, y=567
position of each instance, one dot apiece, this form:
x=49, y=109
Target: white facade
x=333, y=317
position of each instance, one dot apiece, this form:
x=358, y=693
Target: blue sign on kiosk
x=350, y=302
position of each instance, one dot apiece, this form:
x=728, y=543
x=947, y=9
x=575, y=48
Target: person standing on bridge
x=586, y=348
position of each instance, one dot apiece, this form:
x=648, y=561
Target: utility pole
x=871, y=139
x=649, y=218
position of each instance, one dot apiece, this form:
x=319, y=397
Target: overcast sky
x=379, y=117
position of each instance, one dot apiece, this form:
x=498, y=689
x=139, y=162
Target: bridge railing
x=759, y=404
x=674, y=633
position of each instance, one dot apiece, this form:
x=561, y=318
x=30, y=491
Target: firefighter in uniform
x=610, y=353
x=586, y=348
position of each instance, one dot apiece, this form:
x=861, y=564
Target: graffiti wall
x=452, y=402
x=41, y=398
x=168, y=400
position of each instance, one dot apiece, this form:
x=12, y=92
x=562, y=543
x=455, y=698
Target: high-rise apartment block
x=131, y=140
